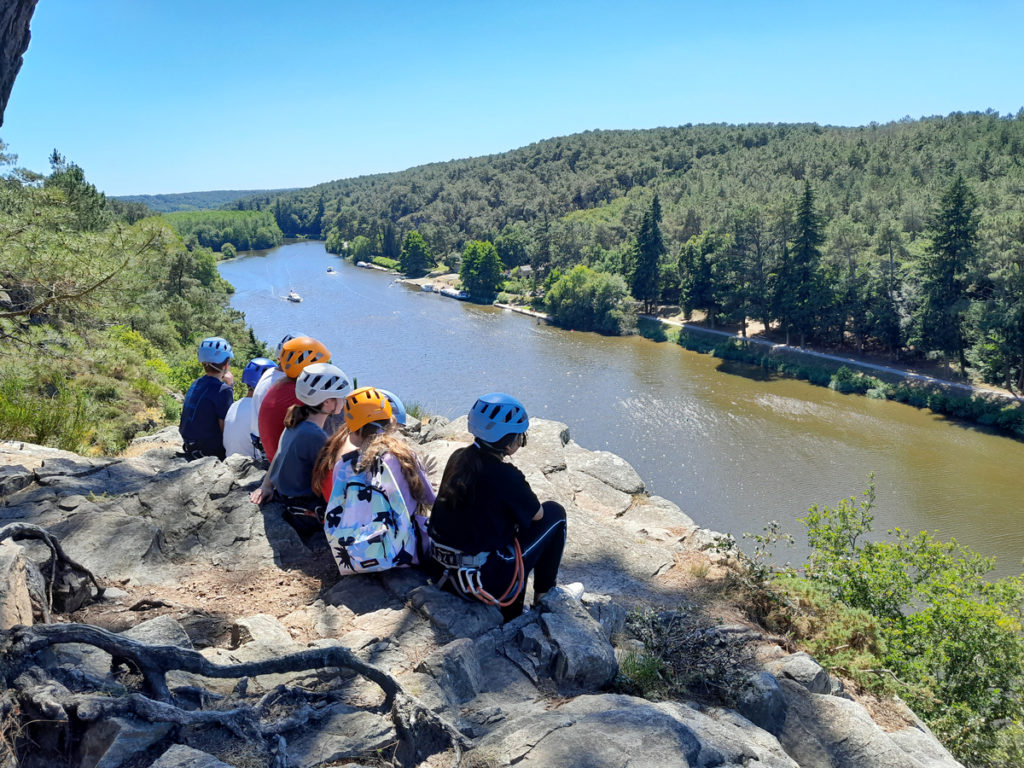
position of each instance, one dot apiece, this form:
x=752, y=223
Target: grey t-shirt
x=291, y=472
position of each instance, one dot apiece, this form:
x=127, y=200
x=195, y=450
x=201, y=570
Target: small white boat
x=332, y=271
x=293, y=296
x=427, y=287
x=454, y=294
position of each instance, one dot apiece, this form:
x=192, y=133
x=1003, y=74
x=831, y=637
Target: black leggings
x=542, y=544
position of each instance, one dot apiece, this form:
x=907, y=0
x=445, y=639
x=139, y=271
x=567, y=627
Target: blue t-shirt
x=207, y=402
x=291, y=471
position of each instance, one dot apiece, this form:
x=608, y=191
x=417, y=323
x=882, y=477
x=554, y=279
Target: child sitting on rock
x=207, y=402
x=488, y=530
x=376, y=489
x=296, y=355
x=237, y=437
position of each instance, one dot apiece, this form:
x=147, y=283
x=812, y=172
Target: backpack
x=368, y=525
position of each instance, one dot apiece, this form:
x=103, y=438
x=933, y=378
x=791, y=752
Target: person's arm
x=520, y=496
x=265, y=492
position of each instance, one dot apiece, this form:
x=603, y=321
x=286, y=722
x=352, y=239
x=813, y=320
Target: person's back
x=237, y=439
x=207, y=402
x=269, y=379
x=292, y=474
x=488, y=530
x=273, y=409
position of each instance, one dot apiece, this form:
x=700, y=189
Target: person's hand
x=261, y=495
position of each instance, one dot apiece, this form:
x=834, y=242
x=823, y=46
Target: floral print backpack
x=368, y=525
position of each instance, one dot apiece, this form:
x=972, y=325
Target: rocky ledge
x=212, y=636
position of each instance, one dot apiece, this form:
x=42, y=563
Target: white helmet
x=277, y=352
x=321, y=381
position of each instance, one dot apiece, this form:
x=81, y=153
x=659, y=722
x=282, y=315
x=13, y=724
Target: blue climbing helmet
x=254, y=370
x=215, y=350
x=397, y=407
x=496, y=415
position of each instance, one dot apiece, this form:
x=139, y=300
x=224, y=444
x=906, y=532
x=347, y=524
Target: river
x=732, y=447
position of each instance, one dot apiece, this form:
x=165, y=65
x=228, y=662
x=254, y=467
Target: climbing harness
x=464, y=572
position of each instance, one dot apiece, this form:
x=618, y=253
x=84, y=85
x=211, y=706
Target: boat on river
x=332, y=271
x=293, y=296
x=427, y=288
x=451, y=293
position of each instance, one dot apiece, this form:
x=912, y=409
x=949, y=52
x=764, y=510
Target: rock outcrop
x=15, y=16
x=190, y=567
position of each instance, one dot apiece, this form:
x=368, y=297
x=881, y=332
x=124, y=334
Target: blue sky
x=152, y=97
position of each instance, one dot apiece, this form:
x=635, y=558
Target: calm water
x=733, y=449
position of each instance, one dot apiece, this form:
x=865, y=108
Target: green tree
x=481, y=269
x=360, y=249
x=645, y=281
x=415, y=258
x=586, y=300
x=944, y=270
x=228, y=251
x=88, y=204
x=512, y=245
x=707, y=274
x=800, y=292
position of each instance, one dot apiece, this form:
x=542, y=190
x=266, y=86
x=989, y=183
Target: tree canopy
x=830, y=229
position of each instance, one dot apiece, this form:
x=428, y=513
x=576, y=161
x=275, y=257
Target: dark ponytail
x=298, y=414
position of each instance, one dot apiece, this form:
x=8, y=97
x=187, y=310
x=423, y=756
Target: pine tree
x=944, y=270
x=645, y=284
x=800, y=291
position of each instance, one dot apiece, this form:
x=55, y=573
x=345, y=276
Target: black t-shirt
x=497, y=502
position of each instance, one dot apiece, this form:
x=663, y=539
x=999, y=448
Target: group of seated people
x=342, y=470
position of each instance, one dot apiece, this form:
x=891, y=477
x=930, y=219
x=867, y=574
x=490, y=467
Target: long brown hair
x=388, y=442
x=329, y=455
x=377, y=444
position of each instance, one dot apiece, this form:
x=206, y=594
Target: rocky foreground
x=224, y=641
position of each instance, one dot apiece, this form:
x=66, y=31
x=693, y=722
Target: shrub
x=685, y=656
x=952, y=637
x=586, y=300
x=57, y=415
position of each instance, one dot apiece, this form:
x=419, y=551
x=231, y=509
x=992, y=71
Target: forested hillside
x=100, y=313
x=243, y=230
x=906, y=237
x=194, y=201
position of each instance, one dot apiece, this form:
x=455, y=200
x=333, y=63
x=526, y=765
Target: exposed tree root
x=60, y=562
x=420, y=731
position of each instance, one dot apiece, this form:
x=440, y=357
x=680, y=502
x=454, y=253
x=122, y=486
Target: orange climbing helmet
x=299, y=352
x=364, y=405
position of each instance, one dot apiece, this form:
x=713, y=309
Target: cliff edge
x=224, y=640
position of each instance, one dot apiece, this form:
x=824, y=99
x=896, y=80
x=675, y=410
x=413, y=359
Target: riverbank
x=984, y=405
x=988, y=407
